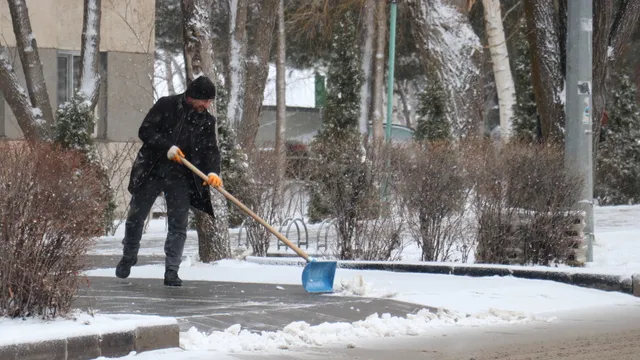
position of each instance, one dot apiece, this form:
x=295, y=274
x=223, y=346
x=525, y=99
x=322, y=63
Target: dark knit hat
x=202, y=89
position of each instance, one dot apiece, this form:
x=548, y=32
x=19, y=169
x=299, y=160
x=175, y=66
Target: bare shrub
x=50, y=210
x=348, y=185
x=117, y=159
x=434, y=190
x=261, y=196
x=525, y=203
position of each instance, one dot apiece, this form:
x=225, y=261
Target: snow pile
x=301, y=334
x=358, y=287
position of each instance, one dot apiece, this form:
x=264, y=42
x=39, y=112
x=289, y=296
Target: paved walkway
x=211, y=306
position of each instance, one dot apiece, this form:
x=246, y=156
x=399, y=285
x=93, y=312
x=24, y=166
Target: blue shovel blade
x=317, y=276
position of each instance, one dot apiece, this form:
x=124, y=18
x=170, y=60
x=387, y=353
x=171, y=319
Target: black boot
x=171, y=278
x=124, y=266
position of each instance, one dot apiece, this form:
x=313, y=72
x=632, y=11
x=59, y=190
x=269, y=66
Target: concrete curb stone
x=617, y=283
x=113, y=344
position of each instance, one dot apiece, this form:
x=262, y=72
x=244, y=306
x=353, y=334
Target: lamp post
x=578, y=109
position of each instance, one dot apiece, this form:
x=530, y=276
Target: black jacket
x=159, y=131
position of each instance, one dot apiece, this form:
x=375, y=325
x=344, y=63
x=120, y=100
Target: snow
x=301, y=334
x=78, y=324
x=300, y=89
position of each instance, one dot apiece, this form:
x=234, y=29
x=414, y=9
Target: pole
x=579, y=117
x=390, y=78
x=392, y=62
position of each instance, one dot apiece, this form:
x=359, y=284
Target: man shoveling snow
x=176, y=127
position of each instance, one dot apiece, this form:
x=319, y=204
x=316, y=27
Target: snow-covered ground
x=616, y=248
x=464, y=301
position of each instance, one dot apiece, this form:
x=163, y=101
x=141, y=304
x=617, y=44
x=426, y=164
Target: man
x=176, y=127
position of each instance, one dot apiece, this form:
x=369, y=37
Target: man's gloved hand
x=175, y=154
x=213, y=179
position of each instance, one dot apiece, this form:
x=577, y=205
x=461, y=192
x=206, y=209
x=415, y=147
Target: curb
x=605, y=282
x=111, y=344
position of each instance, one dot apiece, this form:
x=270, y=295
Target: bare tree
x=31, y=122
x=378, y=76
x=547, y=74
x=501, y=68
x=281, y=104
x=213, y=232
x=168, y=71
x=90, y=52
x=369, y=32
x=449, y=49
x=257, y=71
x=611, y=34
x=30, y=59
x=237, y=60
x=32, y=108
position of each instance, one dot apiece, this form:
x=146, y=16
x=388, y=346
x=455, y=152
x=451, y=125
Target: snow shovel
x=317, y=276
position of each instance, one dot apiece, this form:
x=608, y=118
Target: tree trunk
x=168, y=71
x=403, y=91
x=547, y=76
x=90, y=52
x=378, y=87
x=213, y=232
x=257, y=73
x=602, y=21
x=281, y=106
x=30, y=59
x=501, y=69
x=611, y=36
x=237, y=60
x=448, y=48
x=369, y=33
x=31, y=124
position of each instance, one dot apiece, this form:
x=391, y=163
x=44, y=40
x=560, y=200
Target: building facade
x=127, y=59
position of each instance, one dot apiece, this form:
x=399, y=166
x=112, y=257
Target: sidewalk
x=214, y=306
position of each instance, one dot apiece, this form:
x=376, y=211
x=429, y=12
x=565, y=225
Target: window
x=68, y=73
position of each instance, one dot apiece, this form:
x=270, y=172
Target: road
x=602, y=334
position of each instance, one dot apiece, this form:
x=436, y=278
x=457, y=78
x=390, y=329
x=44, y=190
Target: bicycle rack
x=294, y=222
x=328, y=223
x=246, y=242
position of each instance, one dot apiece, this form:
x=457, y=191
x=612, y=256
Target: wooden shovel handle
x=248, y=211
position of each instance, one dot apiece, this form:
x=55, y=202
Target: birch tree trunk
x=257, y=73
x=90, y=52
x=501, y=68
x=30, y=59
x=237, y=60
x=548, y=78
x=369, y=33
x=378, y=82
x=281, y=105
x=213, y=232
x=168, y=71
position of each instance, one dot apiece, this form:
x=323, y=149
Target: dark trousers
x=177, y=195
